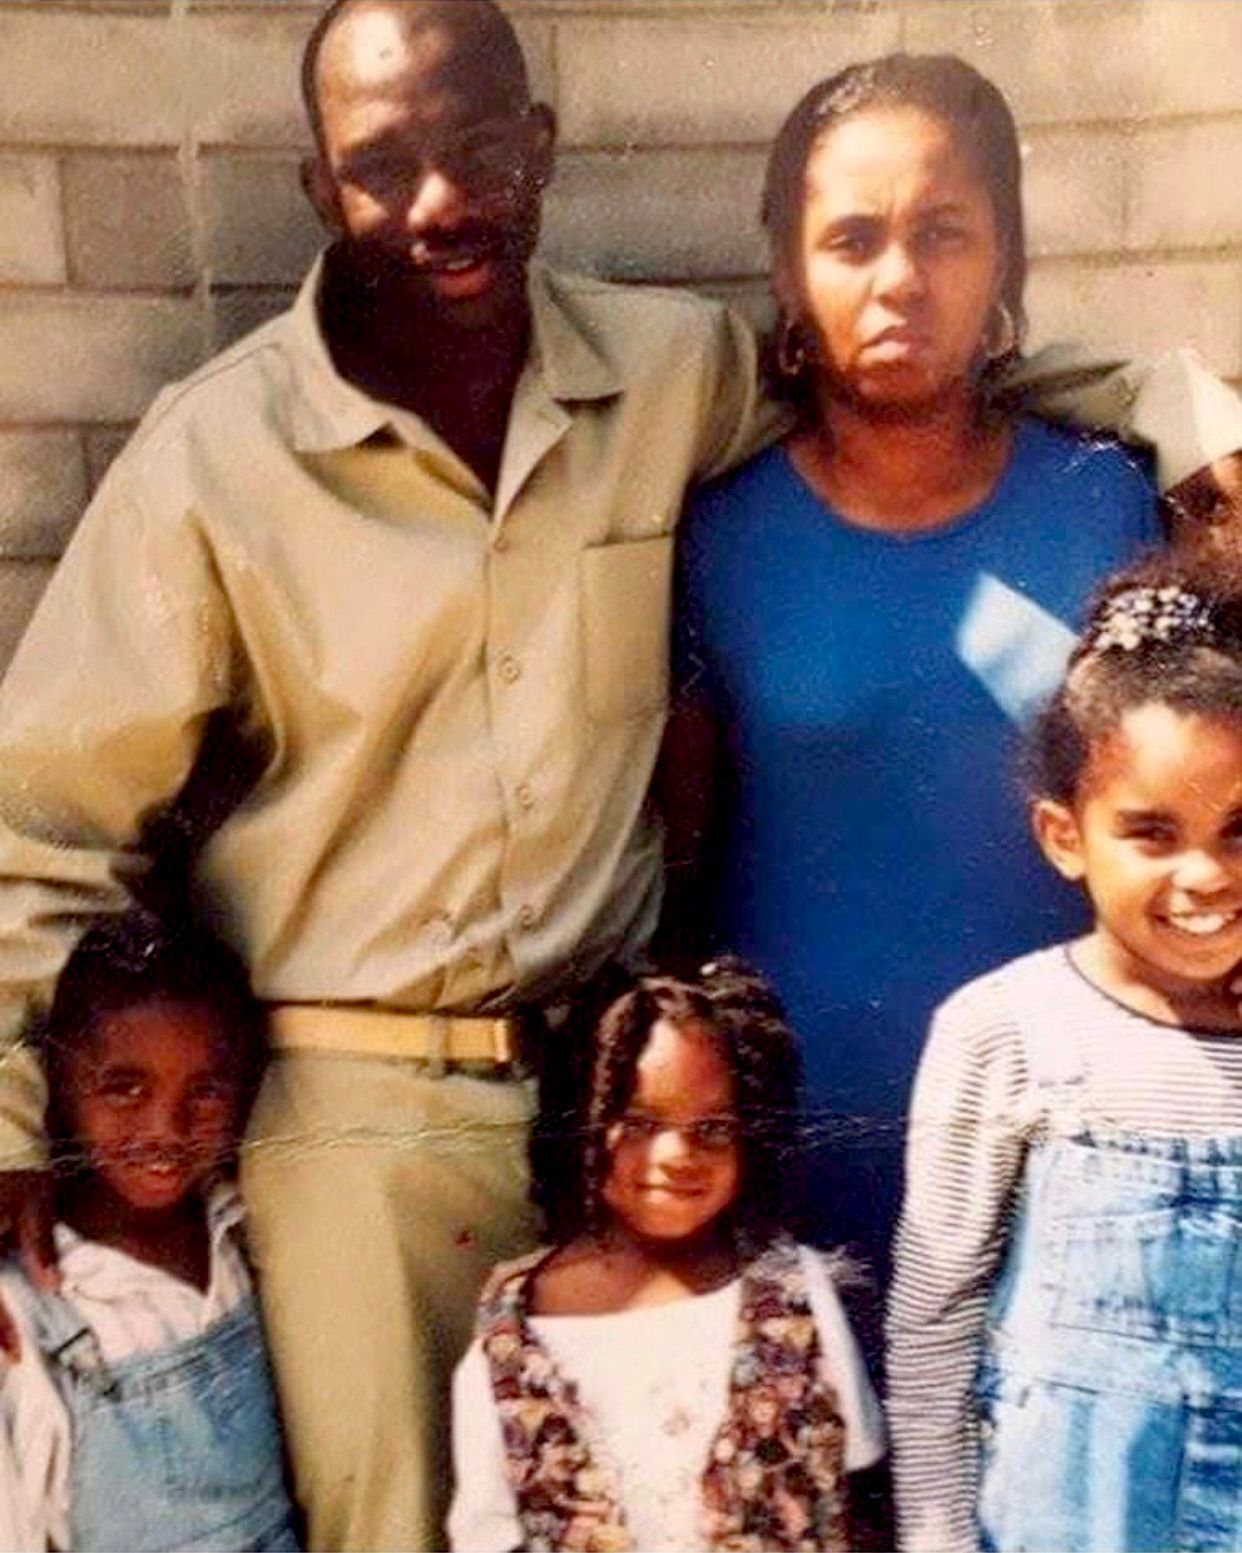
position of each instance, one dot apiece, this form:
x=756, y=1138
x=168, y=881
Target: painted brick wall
x=150, y=210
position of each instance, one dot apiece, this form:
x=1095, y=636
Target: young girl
x=675, y=1373
x=139, y=1414
x=1065, y=1326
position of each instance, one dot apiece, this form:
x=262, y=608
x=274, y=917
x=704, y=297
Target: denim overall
x=1110, y=1388
x=176, y=1449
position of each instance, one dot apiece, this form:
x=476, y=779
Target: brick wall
x=150, y=210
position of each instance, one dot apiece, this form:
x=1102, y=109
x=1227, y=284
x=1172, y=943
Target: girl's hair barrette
x=1139, y=617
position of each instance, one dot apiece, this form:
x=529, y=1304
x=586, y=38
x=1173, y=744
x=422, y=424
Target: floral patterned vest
x=774, y=1478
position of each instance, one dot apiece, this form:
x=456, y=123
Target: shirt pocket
x=626, y=599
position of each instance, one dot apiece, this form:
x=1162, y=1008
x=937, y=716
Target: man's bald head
x=475, y=33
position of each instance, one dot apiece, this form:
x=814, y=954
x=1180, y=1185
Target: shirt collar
x=328, y=413
x=569, y=355
x=325, y=411
x=97, y=1271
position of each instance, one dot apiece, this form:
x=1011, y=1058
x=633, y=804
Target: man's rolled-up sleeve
x=1171, y=402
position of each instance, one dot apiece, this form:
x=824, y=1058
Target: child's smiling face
x=675, y=1156
x=1156, y=837
x=153, y=1100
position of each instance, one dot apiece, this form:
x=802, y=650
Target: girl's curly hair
x=588, y=1080
x=1167, y=628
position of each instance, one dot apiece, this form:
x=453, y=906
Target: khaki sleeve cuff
x=22, y=1099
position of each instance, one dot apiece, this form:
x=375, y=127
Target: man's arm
x=739, y=420
x=687, y=792
x=101, y=715
x=1170, y=403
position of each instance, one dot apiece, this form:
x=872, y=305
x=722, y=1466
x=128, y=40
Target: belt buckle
x=506, y=1042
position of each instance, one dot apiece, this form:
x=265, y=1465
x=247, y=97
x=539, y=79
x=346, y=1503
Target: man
x=403, y=556
x=413, y=543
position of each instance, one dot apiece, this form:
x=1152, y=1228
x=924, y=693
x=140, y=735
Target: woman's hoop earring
x=791, y=347
x=1002, y=332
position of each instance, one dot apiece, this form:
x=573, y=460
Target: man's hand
x=1204, y=512
x=26, y=1210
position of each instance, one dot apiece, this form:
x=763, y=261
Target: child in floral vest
x=675, y=1372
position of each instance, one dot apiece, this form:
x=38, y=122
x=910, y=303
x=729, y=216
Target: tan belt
x=374, y=1032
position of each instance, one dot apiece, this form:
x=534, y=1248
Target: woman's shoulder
x=1077, y=454
x=762, y=481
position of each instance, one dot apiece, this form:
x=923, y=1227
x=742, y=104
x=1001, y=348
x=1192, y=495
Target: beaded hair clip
x=1141, y=616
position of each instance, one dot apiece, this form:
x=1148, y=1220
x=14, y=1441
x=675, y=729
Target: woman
x=869, y=608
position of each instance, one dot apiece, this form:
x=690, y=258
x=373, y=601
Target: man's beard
x=409, y=269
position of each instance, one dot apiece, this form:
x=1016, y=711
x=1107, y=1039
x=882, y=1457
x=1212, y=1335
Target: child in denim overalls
x=139, y=1413
x=1066, y=1320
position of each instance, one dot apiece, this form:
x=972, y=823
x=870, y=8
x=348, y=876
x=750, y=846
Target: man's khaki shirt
x=459, y=700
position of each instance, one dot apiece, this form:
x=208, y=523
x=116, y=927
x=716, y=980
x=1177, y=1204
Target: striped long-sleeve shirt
x=976, y=1110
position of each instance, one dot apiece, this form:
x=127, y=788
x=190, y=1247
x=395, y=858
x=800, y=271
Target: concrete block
x=1082, y=60
x=752, y=298
x=103, y=443
x=32, y=243
x=1074, y=190
x=1142, y=308
x=235, y=313
x=668, y=77
x=92, y=358
x=126, y=222
x=1185, y=185
x=537, y=37
x=245, y=88
x=658, y=214
x=21, y=587
x=89, y=79
x=244, y=79
x=259, y=228
x=42, y=491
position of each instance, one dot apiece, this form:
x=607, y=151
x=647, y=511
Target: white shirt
x=132, y=1308
x=654, y=1385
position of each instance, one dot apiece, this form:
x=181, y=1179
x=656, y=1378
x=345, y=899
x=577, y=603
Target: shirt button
x=510, y=669
x=528, y=916
x=526, y=796
x=500, y=544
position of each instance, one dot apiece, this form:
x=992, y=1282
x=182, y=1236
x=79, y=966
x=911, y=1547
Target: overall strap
x=564, y=1496
x=775, y=1477
x=67, y=1341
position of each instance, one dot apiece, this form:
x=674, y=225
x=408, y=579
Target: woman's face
x=900, y=261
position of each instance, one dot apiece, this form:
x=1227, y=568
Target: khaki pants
x=378, y=1198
